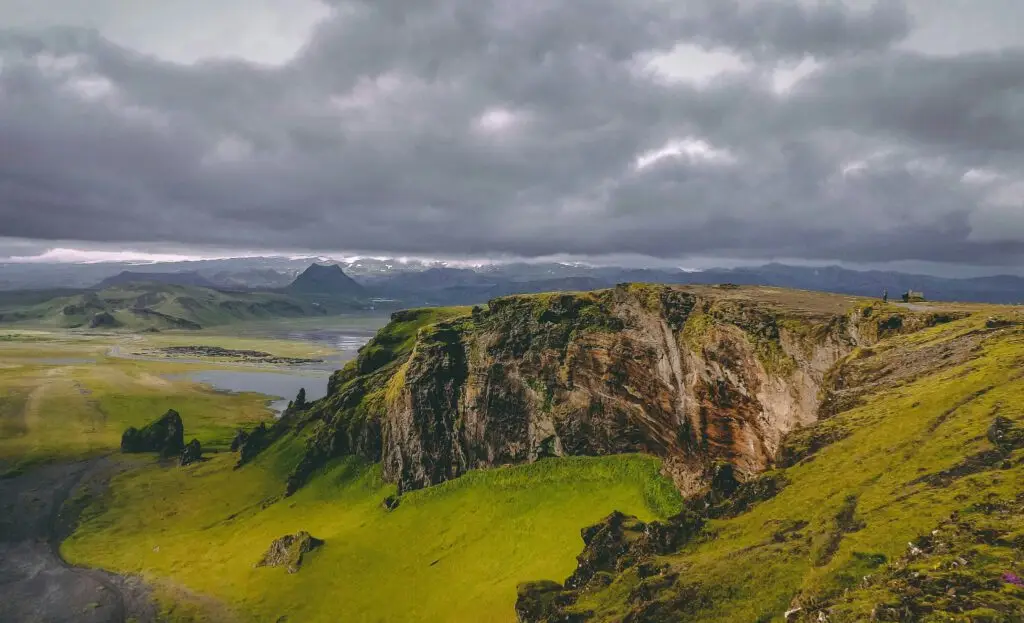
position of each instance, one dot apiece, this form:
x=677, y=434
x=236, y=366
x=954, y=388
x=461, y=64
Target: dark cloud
x=472, y=127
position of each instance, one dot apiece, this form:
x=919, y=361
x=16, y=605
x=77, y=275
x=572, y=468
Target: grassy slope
x=902, y=433
x=488, y=531
x=203, y=526
x=449, y=553
x=62, y=397
x=171, y=305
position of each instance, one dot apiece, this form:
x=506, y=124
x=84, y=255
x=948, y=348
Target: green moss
x=773, y=357
x=697, y=326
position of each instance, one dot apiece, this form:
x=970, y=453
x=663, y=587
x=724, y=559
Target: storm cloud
x=858, y=131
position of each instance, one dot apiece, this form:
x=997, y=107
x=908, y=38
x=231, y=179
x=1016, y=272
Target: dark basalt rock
x=544, y=601
x=623, y=541
x=165, y=436
x=391, y=502
x=252, y=443
x=288, y=551
x=192, y=453
x=617, y=543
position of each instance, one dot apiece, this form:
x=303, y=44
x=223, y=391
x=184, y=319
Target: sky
x=859, y=132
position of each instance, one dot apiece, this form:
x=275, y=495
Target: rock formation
x=192, y=453
x=289, y=550
x=165, y=436
x=697, y=375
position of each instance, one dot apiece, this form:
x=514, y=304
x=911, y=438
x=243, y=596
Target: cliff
x=704, y=377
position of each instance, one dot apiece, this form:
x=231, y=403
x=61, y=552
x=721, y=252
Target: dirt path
x=36, y=583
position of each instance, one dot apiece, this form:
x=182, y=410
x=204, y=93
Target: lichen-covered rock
x=544, y=601
x=165, y=436
x=622, y=541
x=289, y=550
x=192, y=453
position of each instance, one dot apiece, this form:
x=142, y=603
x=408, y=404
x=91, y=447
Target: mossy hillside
x=458, y=549
x=135, y=307
x=852, y=506
x=64, y=398
x=348, y=419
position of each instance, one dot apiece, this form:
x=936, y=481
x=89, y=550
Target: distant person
x=885, y=295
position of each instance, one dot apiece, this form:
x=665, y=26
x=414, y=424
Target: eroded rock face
x=165, y=436
x=656, y=370
x=702, y=377
x=289, y=550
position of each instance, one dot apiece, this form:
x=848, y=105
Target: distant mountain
x=189, y=278
x=413, y=282
x=255, y=278
x=326, y=281
x=139, y=306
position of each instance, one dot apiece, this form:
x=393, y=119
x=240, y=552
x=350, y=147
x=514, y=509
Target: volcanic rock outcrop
x=165, y=436
x=701, y=376
x=289, y=550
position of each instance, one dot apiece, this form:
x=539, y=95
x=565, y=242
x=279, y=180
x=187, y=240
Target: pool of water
x=279, y=386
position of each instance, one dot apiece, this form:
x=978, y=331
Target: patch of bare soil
x=36, y=583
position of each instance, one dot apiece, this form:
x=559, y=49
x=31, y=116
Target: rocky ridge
x=701, y=376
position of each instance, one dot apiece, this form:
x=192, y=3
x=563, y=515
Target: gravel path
x=36, y=583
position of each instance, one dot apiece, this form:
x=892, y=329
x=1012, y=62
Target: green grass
x=899, y=435
x=453, y=552
x=161, y=306
x=63, y=398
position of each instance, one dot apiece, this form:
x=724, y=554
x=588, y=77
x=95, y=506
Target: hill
x=839, y=459
x=326, y=281
x=140, y=306
x=418, y=283
x=127, y=277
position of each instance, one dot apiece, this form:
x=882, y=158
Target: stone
x=165, y=436
x=621, y=541
x=542, y=602
x=391, y=502
x=192, y=453
x=289, y=550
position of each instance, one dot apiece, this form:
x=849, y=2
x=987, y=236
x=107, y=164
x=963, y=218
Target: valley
x=771, y=452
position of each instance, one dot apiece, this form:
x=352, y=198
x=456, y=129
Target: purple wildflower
x=1013, y=578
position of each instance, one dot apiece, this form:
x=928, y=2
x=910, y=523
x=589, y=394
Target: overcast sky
x=856, y=131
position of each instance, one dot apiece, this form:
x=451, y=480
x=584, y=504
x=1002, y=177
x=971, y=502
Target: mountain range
x=389, y=284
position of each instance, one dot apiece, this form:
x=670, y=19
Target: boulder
x=192, y=453
x=621, y=541
x=165, y=436
x=542, y=601
x=288, y=551
x=1005, y=435
x=391, y=502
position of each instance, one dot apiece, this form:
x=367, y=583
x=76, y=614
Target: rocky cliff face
x=700, y=376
